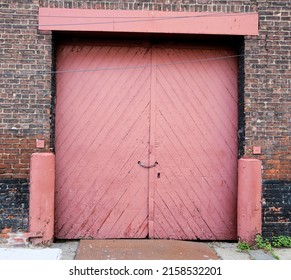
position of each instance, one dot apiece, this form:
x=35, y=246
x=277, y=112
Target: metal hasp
x=147, y=166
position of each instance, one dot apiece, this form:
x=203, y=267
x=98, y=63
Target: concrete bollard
x=249, y=207
x=41, y=203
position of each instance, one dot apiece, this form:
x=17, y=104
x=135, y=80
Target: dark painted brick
x=276, y=208
x=14, y=204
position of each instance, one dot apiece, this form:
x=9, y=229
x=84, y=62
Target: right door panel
x=196, y=144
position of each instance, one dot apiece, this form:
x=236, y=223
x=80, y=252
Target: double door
x=146, y=142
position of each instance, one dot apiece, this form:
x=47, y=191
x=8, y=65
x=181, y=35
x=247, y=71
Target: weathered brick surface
x=15, y=152
x=14, y=200
x=26, y=93
x=268, y=90
x=276, y=208
x=191, y=5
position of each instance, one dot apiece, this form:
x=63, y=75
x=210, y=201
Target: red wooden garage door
x=146, y=142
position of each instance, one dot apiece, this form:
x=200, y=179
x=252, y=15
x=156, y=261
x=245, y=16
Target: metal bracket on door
x=147, y=166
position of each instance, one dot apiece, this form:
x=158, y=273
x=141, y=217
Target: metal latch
x=147, y=166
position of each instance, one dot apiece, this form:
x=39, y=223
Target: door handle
x=147, y=166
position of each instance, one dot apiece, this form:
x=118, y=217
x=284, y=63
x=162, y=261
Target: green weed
x=243, y=246
x=281, y=241
x=265, y=244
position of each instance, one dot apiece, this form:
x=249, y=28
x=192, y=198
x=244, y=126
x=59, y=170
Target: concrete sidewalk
x=30, y=254
x=133, y=249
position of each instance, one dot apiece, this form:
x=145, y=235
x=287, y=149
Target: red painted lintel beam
x=59, y=19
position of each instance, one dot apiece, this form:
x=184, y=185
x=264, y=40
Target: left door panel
x=102, y=131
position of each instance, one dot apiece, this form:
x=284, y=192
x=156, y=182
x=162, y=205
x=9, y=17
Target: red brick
x=24, y=101
x=6, y=230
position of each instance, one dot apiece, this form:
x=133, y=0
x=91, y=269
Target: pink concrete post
x=41, y=204
x=249, y=208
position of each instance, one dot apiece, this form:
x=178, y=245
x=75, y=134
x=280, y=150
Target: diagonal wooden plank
x=181, y=131
x=98, y=114
x=178, y=203
x=200, y=152
x=109, y=138
x=169, y=227
x=98, y=193
x=119, y=222
x=177, y=185
x=220, y=90
x=197, y=68
x=192, y=120
x=106, y=160
x=172, y=221
x=95, y=81
x=96, y=100
x=71, y=84
x=200, y=113
x=192, y=81
x=179, y=109
x=199, y=186
x=98, y=150
x=188, y=191
x=137, y=224
x=205, y=193
x=102, y=188
x=152, y=139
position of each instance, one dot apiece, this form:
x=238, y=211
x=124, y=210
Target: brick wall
x=174, y=5
x=14, y=202
x=268, y=90
x=25, y=104
x=26, y=93
x=276, y=208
